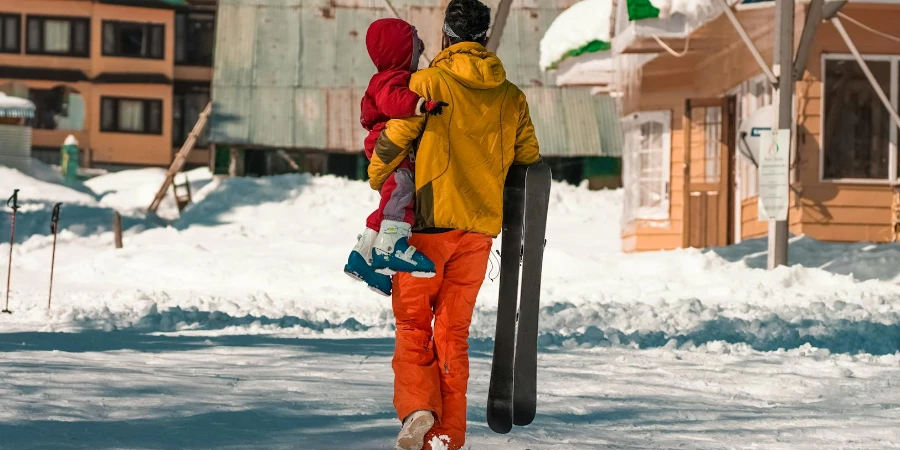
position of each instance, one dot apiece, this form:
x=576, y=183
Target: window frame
x=635, y=120
x=181, y=44
x=146, y=105
x=149, y=26
x=72, y=21
x=893, y=172
x=179, y=105
x=3, y=17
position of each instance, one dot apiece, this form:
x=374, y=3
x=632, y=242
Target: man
x=461, y=160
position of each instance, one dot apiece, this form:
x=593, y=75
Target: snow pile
x=81, y=213
x=42, y=186
x=131, y=191
x=862, y=260
x=583, y=28
x=264, y=256
x=236, y=328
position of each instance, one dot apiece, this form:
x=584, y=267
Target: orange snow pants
x=431, y=367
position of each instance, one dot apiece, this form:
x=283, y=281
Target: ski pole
x=54, y=225
x=13, y=203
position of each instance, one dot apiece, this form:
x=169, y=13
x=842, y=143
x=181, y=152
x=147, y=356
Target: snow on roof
x=15, y=106
x=595, y=69
x=690, y=8
x=583, y=28
x=695, y=10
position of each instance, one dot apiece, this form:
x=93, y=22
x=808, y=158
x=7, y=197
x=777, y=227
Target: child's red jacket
x=394, y=47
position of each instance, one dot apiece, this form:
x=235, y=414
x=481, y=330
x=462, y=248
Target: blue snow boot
x=392, y=252
x=360, y=268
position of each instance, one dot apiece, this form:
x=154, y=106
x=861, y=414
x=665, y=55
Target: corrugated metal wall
x=290, y=74
x=15, y=146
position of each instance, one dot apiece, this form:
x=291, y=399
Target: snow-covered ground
x=233, y=327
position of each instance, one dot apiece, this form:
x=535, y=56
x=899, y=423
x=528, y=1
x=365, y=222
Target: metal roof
x=290, y=74
x=16, y=107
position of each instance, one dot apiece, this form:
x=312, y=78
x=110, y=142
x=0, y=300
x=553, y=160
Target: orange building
x=687, y=183
x=127, y=78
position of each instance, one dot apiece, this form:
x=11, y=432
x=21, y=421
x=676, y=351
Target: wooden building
x=687, y=184
x=289, y=76
x=127, y=78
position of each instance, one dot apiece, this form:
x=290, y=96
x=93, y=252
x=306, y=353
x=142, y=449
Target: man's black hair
x=469, y=20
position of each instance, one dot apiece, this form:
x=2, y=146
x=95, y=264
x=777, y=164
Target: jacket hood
x=391, y=44
x=472, y=65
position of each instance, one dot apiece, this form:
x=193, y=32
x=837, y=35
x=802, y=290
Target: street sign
x=774, y=174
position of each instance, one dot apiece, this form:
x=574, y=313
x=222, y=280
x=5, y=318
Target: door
x=709, y=172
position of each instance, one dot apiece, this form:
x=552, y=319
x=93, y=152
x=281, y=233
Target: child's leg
x=392, y=252
x=359, y=263
x=398, y=195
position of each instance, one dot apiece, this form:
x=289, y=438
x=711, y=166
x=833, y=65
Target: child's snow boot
x=415, y=427
x=392, y=252
x=359, y=264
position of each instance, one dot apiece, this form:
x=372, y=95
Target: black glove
x=433, y=107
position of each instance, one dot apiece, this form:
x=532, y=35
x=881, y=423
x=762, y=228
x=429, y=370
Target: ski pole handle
x=54, y=221
x=13, y=201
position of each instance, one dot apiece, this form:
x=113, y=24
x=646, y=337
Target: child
x=383, y=249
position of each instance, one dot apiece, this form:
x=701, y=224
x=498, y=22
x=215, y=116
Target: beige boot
x=415, y=427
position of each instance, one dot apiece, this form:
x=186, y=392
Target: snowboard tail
x=512, y=396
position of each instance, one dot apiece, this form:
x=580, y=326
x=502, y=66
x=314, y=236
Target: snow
x=580, y=24
x=18, y=107
x=43, y=185
x=697, y=11
x=233, y=327
x=132, y=191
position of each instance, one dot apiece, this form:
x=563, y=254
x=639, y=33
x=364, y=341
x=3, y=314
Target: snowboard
x=512, y=395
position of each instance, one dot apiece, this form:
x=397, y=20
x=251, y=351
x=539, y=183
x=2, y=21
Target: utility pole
x=783, y=68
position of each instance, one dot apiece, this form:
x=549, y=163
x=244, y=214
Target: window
x=131, y=115
x=713, y=144
x=858, y=142
x=59, y=36
x=646, y=165
x=49, y=104
x=10, y=33
x=133, y=39
x=195, y=36
x=186, y=109
x=60, y=108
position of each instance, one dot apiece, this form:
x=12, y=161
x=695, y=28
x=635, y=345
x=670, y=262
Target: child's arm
x=397, y=101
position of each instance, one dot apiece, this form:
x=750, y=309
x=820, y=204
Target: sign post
x=783, y=68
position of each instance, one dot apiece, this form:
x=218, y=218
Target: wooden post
x=499, y=25
x=895, y=215
x=290, y=161
x=117, y=228
x=236, y=167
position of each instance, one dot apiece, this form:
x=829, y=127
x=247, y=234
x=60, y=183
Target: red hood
x=390, y=44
